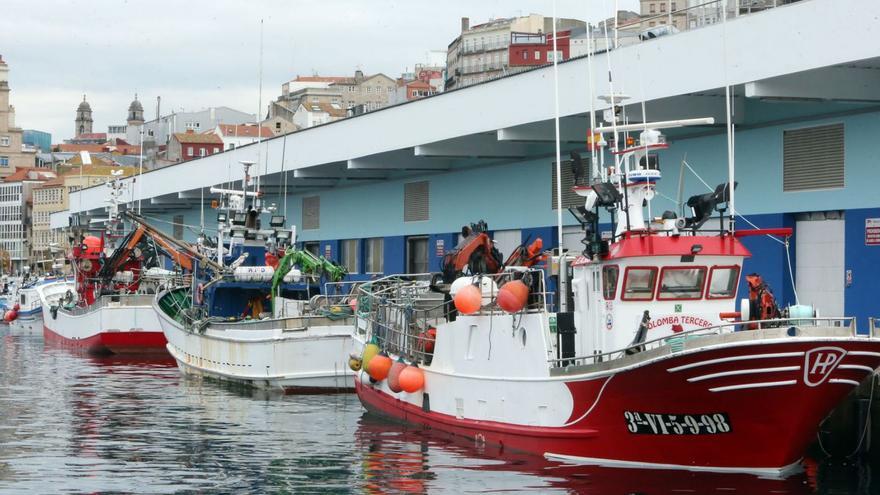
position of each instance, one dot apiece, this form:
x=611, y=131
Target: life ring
x=200, y=293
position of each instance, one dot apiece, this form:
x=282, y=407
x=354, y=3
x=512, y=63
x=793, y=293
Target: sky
x=197, y=53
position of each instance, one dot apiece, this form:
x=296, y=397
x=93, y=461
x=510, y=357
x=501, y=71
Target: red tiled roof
x=24, y=173
x=247, y=130
x=196, y=138
x=93, y=135
x=75, y=148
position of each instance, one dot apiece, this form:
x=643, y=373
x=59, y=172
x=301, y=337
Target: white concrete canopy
x=679, y=75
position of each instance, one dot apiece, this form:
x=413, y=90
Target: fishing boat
x=639, y=359
x=107, y=307
x=257, y=316
x=27, y=302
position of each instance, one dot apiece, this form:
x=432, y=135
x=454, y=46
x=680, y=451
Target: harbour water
x=71, y=423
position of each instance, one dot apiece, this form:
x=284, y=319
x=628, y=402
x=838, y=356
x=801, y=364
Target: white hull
x=277, y=354
x=119, y=324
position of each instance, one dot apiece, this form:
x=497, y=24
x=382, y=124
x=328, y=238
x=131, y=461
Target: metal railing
x=398, y=312
x=112, y=301
x=677, y=341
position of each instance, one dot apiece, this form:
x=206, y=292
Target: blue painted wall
x=518, y=196
x=862, y=297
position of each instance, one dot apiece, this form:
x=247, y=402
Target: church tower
x=83, y=118
x=135, y=112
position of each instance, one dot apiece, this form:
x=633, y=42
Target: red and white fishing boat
x=107, y=307
x=647, y=363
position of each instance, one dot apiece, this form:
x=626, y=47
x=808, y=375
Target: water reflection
x=73, y=423
x=401, y=460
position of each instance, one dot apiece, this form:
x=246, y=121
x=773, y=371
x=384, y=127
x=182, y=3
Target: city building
x=38, y=139
x=83, y=121
x=527, y=49
x=12, y=154
x=280, y=125
x=413, y=90
x=234, y=136
x=158, y=131
x=398, y=185
x=15, y=213
x=361, y=92
x=312, y=114
x=480, y=52
x=48, y=246
x=655, y=13
x=189, y=145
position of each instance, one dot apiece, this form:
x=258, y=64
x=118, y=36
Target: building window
x=673, y=6
x=653, y=8
x=4, y=140
x=232, y=146
x=216, y=149
x=348, y=255
x=537, y=55
x=662, y=7
x=189, y=151
x=203, y=152
x=4, y=161
x=813, y=158
x=277, y=126
x=416, y=201
x=374, y=250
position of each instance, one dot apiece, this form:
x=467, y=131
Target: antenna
x=255, y=202
x=596, y=168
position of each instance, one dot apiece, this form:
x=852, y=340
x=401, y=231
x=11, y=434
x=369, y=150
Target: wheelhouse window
x=609, y=281
x=682, y=283
x=722, y=282
x=638, y=283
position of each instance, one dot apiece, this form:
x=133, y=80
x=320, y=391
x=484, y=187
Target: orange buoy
x=394, y=375
x=468, y=299
x=353, y=304
x=428, y=337
x=412, y=379
x=92, y=244
x=379, y=367
x=512, y=296
x=271, y=260
x=10, y=316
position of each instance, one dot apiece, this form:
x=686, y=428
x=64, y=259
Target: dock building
x=388, y=191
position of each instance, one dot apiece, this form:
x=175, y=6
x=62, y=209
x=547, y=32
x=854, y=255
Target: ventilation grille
x=569, y=197
x=813, y=158
x=415, y=202
x=311, y=213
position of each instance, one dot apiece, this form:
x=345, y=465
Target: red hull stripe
x=115, y=342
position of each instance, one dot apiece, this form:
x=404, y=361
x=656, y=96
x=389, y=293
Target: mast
x=729, y=129
x=563, y=271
